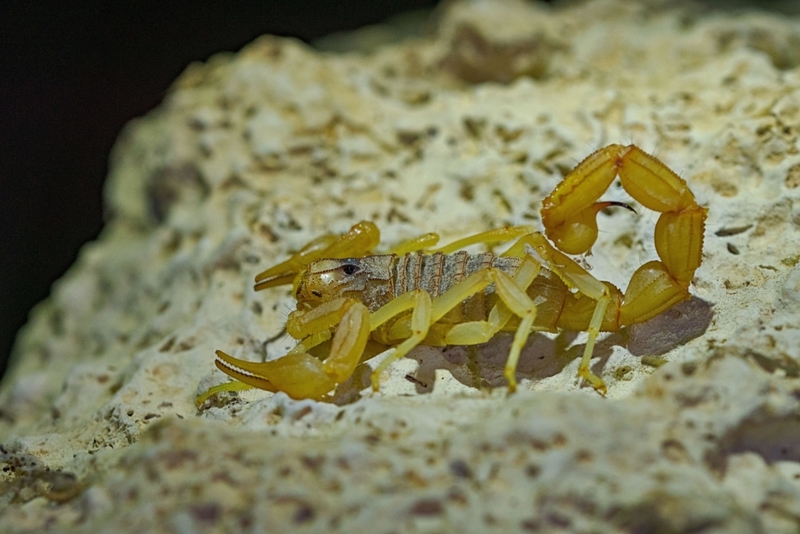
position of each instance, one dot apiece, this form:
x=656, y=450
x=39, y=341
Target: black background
x=72, y=74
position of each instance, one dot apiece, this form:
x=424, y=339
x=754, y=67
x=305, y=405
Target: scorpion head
x=325, y=280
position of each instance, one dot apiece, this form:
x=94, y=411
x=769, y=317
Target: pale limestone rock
x=254, y=154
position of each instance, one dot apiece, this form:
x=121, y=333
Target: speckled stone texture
x=467, y=128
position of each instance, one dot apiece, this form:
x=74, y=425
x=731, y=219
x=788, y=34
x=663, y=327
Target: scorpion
x=347, y=296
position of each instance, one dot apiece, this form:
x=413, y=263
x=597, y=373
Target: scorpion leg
x=475, y=332
x=498, y=235
x=420, y=302
x=428, y=241
x=227, y=386
x=357, y=242
x=415, y=244
x=575, y=277
x=510, y=291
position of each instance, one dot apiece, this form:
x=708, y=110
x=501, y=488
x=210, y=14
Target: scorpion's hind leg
x=514, y=300
x=511, y=292
x=576, y=277
x=301, y=375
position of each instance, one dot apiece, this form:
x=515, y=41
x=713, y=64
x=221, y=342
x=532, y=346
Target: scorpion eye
x=349, y=269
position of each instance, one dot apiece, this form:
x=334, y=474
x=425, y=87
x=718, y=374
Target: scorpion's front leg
x=427, y=242
x=514, y=299
x=298, y=374
x=419, y=302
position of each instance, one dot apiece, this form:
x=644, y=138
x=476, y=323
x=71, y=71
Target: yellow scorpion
x=348, y=296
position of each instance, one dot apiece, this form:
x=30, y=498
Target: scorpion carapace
x=416, y=294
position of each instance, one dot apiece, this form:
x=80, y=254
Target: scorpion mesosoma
x=348, y=297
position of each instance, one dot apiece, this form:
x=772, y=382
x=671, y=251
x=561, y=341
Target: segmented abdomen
x=436, y=273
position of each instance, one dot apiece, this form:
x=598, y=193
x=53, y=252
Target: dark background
x=72, y=74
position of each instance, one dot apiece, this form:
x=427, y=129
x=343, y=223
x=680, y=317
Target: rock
x=252, y=155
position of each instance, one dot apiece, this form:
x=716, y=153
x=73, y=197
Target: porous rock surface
x=467, y=128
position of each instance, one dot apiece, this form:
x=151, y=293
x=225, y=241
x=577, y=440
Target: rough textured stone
x=252, y=155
